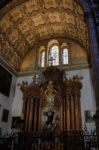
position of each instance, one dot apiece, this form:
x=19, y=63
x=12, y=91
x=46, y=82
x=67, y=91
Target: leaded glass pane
x=65, y=56
x=42, y=58
x=54, y=56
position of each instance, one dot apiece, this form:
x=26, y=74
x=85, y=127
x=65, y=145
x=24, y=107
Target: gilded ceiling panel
x=22, y=48
x=43, y=31
x=54, y=17
x=67, y=4
x=16, y=14
x=82, y=25
x=52, y=3
x=34, y=20
x=13, y=36
x=5, y=24
x=69, y=18
x=6, y=49
x=30, y=37
x=24, y=27
x=71, y=31
x=78, y=10
x=58, y=29
x=38, y=19
x=31, y=6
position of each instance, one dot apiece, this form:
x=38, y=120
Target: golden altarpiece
x=51, y=101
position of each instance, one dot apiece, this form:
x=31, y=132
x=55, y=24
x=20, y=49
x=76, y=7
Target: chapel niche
x=51, y=101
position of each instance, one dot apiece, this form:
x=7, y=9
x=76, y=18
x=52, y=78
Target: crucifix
x=51, y=60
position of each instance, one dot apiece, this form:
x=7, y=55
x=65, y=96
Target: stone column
x=95, y=9
x=94, y=55
x=93, y=51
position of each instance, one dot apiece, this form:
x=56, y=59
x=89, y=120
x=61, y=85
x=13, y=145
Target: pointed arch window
x=54, y=55
x=65, y=56
x=42, y=59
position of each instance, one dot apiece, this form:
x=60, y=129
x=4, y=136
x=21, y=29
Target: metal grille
x=67, y=140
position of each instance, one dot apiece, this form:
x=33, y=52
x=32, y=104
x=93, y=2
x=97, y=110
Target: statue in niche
x=52, y=122
x=50, y=94
x=50, y=98
x=50, y=116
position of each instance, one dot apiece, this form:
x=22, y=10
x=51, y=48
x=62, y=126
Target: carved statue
x=50, y=97
x=24, y=87
x=77, y=78
x=50, y=94
x=50, y=117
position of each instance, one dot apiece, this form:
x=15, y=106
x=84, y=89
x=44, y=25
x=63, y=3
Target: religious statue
x=50, y=98
x=50, y=94
x=52, y=123
x=50, y=116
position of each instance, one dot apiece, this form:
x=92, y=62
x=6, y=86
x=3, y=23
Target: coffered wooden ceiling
x=28, y=24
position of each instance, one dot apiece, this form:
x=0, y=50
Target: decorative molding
x=6, y=65
x=67, y=68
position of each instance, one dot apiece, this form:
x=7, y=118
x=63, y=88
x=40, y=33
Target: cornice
x=4, y=63
x=65, y=68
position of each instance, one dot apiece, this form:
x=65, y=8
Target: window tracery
x=55, y=54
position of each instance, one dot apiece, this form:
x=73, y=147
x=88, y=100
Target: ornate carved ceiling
x=32, y=22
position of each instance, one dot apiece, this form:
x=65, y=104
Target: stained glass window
x=42, y=58
x=54, y=56
x=65, y=56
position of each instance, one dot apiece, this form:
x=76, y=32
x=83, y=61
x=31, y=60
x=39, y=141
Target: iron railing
x=67, y=140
